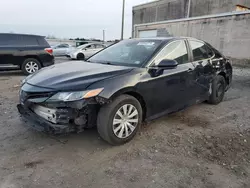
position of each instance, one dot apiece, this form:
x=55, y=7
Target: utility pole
x=103, y=35
x=189, y=5
x=123, y=9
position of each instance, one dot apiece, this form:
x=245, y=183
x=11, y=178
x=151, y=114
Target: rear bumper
x=49, y=63
x=40, y=124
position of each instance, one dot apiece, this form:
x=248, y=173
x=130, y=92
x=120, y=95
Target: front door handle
x=189, y=70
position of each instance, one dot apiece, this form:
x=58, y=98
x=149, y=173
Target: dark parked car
x=132, y=81
x=26, y=52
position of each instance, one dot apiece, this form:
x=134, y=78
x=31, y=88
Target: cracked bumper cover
x=41, y=124
x=69, y=117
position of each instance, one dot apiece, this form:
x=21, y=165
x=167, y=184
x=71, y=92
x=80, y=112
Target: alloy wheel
x=31, y=67
x=125, y=121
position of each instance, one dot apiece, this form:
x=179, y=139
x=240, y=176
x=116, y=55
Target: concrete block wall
x=160, y=11
x=229, y=34
x=207, y=7
x=163, y=10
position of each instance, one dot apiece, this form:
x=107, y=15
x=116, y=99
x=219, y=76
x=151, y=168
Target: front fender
x=117, y=85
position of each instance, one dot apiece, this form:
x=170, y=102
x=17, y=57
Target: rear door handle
x=189, y=70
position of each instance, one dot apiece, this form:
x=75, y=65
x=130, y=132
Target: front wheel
x=119, y=121
x=218, y=90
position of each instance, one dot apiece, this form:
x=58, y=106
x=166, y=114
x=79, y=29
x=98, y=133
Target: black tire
x=26, y=62
x=218, y=90
x=80, y=56
x=107, y=114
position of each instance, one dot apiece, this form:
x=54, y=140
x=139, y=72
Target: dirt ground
x=203, y=146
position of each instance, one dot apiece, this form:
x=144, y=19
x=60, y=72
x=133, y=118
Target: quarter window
x=99, y=46
x=63, y=46
x=200, y=50
x=176, y=50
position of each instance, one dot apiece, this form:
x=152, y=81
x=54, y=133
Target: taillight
x=49, y=50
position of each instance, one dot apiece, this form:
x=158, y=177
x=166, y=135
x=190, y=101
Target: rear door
x=201, y=58
x=90, y=50
x=99, y=47
x=8, y=49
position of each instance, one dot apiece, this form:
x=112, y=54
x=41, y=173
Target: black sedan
x=123, y=85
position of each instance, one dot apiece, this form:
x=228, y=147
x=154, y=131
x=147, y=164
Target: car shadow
x=89, y=140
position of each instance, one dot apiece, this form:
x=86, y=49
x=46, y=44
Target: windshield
x=127, y=53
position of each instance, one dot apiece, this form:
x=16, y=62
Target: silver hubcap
x=31, y=67
x=125, y=121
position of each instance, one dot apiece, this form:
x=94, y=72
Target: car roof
x=21, y=34
x=165, y=39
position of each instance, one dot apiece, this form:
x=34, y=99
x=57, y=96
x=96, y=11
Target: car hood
x=77, y=75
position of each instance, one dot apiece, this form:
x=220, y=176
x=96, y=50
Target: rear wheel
x=119, y=121
x=218, y=90
x=30, y=66
x=80, y=56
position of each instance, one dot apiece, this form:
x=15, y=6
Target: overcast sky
x=67, y=18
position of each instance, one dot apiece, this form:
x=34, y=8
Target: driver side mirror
x=167, y=64
x=158, y=70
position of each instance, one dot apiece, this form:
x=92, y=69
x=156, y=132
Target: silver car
x=61, y=49
x=84, y=51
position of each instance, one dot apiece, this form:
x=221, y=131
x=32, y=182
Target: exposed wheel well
x=141, y=100
x=32, y=56
x=224, y=75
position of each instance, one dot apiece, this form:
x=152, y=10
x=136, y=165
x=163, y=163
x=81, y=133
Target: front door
x=169, y=90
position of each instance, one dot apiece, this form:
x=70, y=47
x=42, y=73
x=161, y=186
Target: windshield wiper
x=106, y=63
x=101, y=62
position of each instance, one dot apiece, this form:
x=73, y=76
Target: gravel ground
x=203, y=146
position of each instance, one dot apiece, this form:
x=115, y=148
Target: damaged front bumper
x=41, y=124
x=61, y=118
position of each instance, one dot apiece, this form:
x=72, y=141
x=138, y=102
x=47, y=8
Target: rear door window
x=99, y=46
x=29, y=41
x=199, y=49
x=63, y=46
x=210, y=52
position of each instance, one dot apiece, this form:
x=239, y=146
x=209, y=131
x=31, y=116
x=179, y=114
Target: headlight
x=74, y=96
x=23, y=81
